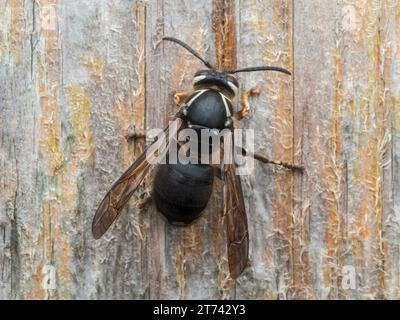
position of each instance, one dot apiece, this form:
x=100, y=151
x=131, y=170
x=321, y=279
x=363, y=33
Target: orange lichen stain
x=397, y=44
x=81, y=145
x=192, y=241
x=79, y=117
x=81, y=152
x=179, y=260
x=333, y=177
x=95, y=66
x=352, y=107
x=225, y=34
x=64, y=265
x=17, y=28
x=54, y=240
x=367, y=225
x=263, y=294
x=355, y=172
x=282, y=198
x=139, y=105
x=366, y=229
x=282, y=149
x=268, y=255
x=49, y=142
x=36, y=290
x=48, y=79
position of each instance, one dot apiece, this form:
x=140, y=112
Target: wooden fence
x=77, y=76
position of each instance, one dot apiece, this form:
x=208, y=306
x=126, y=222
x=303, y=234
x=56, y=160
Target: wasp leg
x=264, y=159
x=245, y=102
x=180, y=97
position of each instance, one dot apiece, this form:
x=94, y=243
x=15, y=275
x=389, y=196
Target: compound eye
x=234, y=87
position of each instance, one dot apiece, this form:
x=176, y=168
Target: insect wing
x=112, y=204
x=236, y=221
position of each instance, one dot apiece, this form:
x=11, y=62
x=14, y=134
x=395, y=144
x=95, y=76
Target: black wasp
x=181, y=191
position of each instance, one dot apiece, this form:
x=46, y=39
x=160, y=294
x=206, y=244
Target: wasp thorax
x=208, y=108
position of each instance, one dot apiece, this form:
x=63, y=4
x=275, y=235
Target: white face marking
x=198, y=78
x=233, y=87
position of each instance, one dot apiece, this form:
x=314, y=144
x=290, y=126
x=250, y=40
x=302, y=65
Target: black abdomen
x=181, y=192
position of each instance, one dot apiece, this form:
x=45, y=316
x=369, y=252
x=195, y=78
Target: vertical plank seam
x=147, y=277
x=293, y=200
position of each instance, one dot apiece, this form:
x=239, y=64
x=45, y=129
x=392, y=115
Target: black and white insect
x=181, y=191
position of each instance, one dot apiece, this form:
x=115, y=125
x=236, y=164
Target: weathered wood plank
x=75, y=76
x=317, y=96
x=71, y=146
x=18, y=149
x=264, y=32
x=343, y=71
x=103, y=66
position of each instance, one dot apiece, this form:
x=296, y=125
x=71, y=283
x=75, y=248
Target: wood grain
x=77, y=78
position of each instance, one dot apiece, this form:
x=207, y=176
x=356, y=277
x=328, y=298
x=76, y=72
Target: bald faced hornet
x=182, y=191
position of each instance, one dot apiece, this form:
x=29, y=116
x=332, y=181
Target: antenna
x=251, y=69
x=192, y=51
